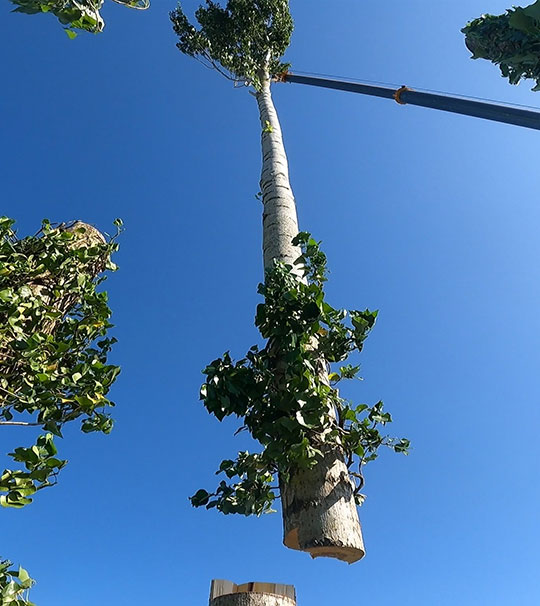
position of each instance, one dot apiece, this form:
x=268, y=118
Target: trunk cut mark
x=226, y=593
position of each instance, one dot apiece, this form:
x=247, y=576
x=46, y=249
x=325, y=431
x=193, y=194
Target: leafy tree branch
x=82, y=15
x=53, y=344
x=14, y=585
x=53, y=356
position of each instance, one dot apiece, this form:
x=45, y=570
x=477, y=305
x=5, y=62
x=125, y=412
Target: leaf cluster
x=286, y=393
x=53, y=344
x=14, y=585
x=511, y=41
x=41, y=466
x=83, y=15
x=243, y=41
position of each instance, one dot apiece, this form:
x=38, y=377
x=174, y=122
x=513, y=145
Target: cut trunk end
x=226, y=593
x=319, y=511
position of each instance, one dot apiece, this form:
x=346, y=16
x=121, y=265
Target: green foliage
x=53, y=345
x=53, y=356
x=285, y=394
x=41, y=470
x=243, y=41
x=83, y=15
x=14, y=585
x=511, y=41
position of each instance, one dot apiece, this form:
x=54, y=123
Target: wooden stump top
x=221, y=587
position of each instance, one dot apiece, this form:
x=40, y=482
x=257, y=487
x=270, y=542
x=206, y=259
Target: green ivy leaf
x=283, y=394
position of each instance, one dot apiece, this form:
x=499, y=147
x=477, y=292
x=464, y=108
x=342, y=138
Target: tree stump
x=226, y=593
x=319, y=511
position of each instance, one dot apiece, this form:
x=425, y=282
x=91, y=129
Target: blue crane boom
x=519, y=116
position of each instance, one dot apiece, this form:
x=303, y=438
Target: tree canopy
x=511, y=41
x=242, y=41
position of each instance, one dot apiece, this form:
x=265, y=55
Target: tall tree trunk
x=280, y=223
x=319, y=511
x=226, y=593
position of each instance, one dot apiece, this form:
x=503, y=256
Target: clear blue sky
x=431, y=218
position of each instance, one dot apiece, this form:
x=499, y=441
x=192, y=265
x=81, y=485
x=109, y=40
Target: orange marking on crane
x=399, y=92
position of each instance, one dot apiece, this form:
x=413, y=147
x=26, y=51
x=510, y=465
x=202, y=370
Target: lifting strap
x=398, y=93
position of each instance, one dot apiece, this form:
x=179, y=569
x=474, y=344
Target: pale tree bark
x=226, y=593
x=319, y=511
x=280, y=223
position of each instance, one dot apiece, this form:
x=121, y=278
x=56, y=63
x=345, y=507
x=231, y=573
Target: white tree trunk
x=280, y=223
x=226, y=593
x=319, y=511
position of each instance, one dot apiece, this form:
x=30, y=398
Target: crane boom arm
x=519, y=116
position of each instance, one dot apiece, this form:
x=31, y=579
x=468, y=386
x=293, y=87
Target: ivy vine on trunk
x=291, y=410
